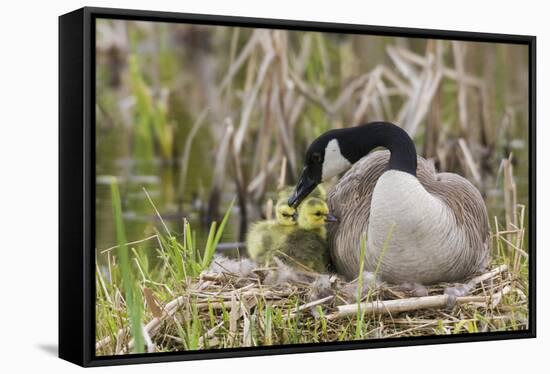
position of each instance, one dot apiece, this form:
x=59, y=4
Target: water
x=161, y=181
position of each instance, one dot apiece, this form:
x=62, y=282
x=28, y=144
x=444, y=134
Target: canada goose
x=436, y=223
x=313, y=215
x=308, y=245
x=265, y=236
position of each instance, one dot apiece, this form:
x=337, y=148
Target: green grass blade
x=132, y=294
x=360, y=314
x=212, y=244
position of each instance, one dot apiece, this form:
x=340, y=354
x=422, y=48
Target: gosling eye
x=318, y=214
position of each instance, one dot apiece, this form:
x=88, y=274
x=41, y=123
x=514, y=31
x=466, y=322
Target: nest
x=242, y=304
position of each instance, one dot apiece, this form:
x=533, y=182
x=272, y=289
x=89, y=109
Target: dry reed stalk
x=510, y=193
x=471, y=165
x=99, y=276
x=424, y=85
x=398, y=55
x=263, y=174
x=151, y=347
x=391, y=306
x=234, y=315
x=295, y=112
x=241, y=59
x=428, y=87
x=221, y=154
x=510, y=204
x=247, y=340
x=282, y=175
x=310, y=94
x=187, y=150
x=383, y=96
x=349, y=90
x=434, y=122
x=402, y=87
x=298, y=67
x=240, y=185
x=366, y=96
x=459, y=54
x=519, y=241
x=218, y=178
x=284, y=135
x=250, y=101
x=263, y=138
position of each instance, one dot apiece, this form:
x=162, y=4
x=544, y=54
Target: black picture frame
x=77, y=187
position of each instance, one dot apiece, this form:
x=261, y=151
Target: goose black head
x=336, y=150
x=323, y=160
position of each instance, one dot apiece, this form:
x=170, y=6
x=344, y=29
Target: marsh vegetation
x=195, y=126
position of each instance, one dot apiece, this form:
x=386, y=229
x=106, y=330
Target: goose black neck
x=361, y=140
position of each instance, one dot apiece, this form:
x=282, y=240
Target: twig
x=311, y=304
x=157, y=212
x=491, y=274
x=129, y=243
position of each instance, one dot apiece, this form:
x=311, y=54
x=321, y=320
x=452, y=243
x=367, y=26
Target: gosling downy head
x=337, y=150
x=313, y=214
x=285, y=214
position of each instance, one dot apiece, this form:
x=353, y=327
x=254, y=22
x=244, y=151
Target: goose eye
x=316, y=157
x=318, y=214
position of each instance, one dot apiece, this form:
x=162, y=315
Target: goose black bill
x=304, y=187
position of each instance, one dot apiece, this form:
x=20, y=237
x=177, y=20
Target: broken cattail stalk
x=391, y=306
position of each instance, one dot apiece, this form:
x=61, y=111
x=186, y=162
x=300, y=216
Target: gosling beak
x=295, y=216
x=303, y=188
x=331, y=218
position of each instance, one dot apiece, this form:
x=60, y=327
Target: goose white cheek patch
x=334, y=162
